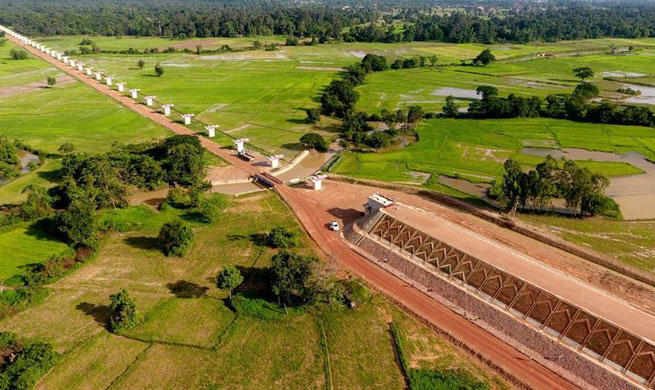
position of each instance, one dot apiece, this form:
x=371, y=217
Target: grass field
x=24, y=244
x=191, y=339
x=630, y=242
x=477, y=148
x=17, y=72
x=536, y=77
x=73, y=113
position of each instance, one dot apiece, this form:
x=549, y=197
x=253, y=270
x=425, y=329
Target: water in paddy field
x=635, y=194
x=647, y=95
x=457, y=92
x=25, y=159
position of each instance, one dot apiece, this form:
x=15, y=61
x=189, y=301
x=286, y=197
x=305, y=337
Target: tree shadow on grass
x=298, y=121
x=259, y=239
x=44, y=229
x=54, y=175
x=194, y=217
x=100, y=313
x=143, y=242
x=186, y=289
x=293, y=146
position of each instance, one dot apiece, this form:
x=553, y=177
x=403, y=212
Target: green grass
x=17, y=72
x=630, y=242
x=457, y=147
x=73, y=113
x=190, y=337
x=26, y=244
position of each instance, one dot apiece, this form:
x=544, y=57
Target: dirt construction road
x=314, y=220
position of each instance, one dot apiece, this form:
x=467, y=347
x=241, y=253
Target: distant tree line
x=362, y=21
x=583, y=191
x=575, y=106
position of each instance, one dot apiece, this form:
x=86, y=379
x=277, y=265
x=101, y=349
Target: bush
x=280, y=237
x=313, y=115
x=124, y=314
x=210, y=207
x=178, y=197
x=78, y=225
x=176, y=238
x=19, y=54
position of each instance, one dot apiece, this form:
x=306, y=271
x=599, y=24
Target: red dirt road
x=314, y=219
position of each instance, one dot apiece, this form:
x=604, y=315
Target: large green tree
x=228, y=279
x=290, y=275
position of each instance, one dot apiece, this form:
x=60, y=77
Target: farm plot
x=478, y=148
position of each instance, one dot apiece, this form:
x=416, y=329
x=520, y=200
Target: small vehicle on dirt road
x=334, y=226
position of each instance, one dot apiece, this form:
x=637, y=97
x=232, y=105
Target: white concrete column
x=109, y=80
x=317, y=181
x=275, y=160
x=80, y=67
x=134, y=92
x=240, y=143
x=89, y=71
x=167, y=109
x=98, y=76
x=121, y=87
x=64, y=59
x=211, y=130
x=187, y=118
x=72, y=63
x=149, y=100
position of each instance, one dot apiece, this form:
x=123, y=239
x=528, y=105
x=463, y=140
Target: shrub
x=257, y=308
x=19, y=54
x=313, y=115
x=446, y=380
x=280, y=237
x=176, y=238
x=37, y=205
x=124, y=314
x=210, y=207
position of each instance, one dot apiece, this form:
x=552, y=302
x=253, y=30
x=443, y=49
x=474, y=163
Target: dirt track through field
x=314, y=219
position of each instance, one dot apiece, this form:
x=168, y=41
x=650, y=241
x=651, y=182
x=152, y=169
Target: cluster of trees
x=340, y=97
x=8, y=159
x=583, y=191
x=25, y=362
x=365, y=22
x=87, y=50
x=575, y=106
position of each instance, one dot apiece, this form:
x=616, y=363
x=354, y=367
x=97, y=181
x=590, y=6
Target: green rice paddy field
x=476, y=149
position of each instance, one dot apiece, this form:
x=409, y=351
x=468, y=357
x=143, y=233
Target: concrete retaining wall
x=564, y=360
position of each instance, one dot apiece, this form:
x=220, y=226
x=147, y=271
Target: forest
x=363, y=22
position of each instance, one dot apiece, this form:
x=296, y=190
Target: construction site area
x=542, y=316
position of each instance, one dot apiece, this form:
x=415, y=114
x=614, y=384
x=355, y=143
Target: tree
x=486, y=91
x=450, y=108
x=280, y=237
x=586, y=91
x=374, y=63
x=51, y=81
x=66, y=148
x=313, y=115
x=433, y=60
x=292, y=41
x=290, y=274
x=159, y=71
x=18, y=54
x=184, y=159
x=414, y=114
x=583, y=72
x=176, y=238
x=484, y=58
x=314, y=141
x=228, y=279
x=124, y=314
x=77, y=223
x=141, y=64
x=37, y=205
x=513, y=185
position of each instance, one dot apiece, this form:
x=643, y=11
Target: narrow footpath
x=314, y=220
